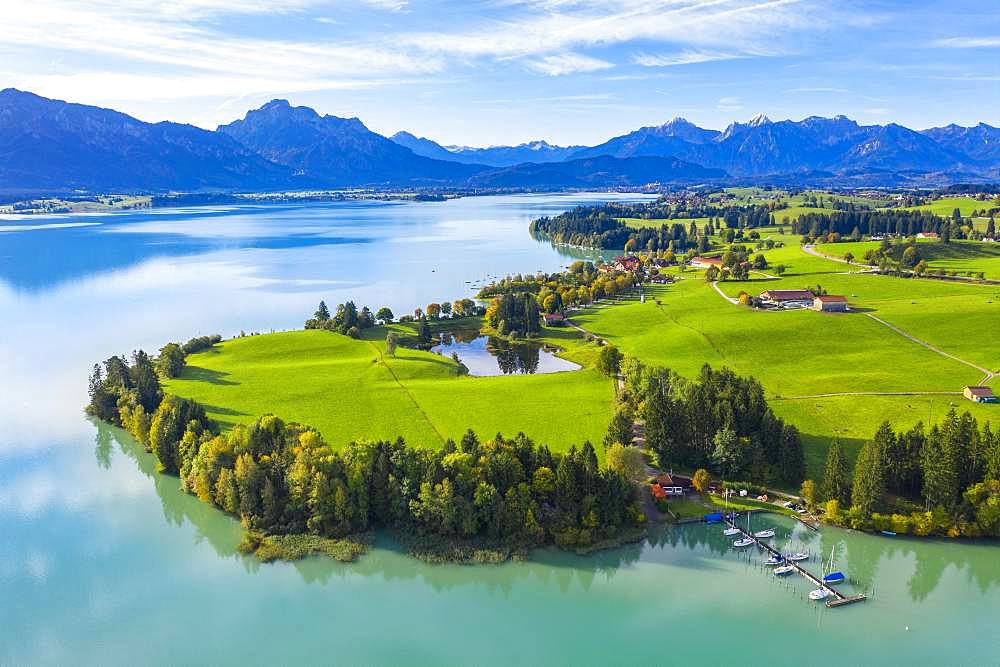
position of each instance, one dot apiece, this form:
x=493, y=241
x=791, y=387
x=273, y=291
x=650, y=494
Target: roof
x=980, y=391
x=552, y=317
x=831, y=298
x=707, y=260
x=928, y=235
x=788, y=294
x=665, y=480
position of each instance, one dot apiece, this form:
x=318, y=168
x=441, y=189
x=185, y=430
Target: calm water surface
x=489, y=355
x=104, y=562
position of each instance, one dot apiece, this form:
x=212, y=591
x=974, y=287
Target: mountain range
x=51, y=146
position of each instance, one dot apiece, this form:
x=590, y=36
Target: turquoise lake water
x=104, y=562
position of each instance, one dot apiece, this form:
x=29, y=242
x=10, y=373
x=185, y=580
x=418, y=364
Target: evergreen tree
x=836, y=484
x=620, y=430
x=322, y=313
x=868, y=488
x=940, y=488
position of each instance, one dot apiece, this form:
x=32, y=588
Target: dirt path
x=715, y=286
x=988, y=374
x=869, y=393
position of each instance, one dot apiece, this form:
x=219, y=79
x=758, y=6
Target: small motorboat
x=834, y=578
x=774, y=560
x=784, y=570
x=762, y=534
x=798, y=556
x=742, y=542
x=819, y=594
x=888, y=533
x=729, y=532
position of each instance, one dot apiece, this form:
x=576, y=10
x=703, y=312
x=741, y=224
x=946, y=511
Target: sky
x=490, y=72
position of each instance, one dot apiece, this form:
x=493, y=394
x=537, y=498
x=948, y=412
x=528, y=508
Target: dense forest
x=941, y=481
x=719, y=421
x=284, y=479
x=600, y=226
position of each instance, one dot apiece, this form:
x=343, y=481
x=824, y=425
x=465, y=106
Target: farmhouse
x=830, y=303
x=788, y=298
x=629, y=263
x=980, y=394
x=705, y=262
x=671, y=486
x=927, y=235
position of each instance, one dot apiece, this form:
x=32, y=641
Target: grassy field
x=800, y=356
x=350, y=389
x=946, y=206
x=961, y=256
x=656, y=223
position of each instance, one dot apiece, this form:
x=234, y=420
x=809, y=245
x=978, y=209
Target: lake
x=102, y=561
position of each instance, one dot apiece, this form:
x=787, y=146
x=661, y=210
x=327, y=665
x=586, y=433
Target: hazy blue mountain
x=677, y=138
x=494, y=156
x=601, y=171
x=896, y=148
x=337, y=151
x=762, y=147
x=980, y=143
x=51, y=145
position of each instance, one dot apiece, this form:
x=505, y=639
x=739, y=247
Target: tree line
x=719, y=421
x=853, y=225
x=600, y=226
x=939, y=481
x=283, y=478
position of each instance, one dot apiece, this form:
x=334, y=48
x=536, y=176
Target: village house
x=554, y=319
x=705, y=262
x=788, y=298
x=830, y=303
x=671, y=486
x=979, y=394
x=927, y=235
x=629, y=263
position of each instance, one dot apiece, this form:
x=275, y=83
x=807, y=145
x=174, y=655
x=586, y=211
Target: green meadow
x=961, y=256
x=823, y=371
x=351, y=389
x=656, y=223
x=947, y=205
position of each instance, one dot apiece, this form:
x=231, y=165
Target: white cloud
x=729, y=104
x=817, y=89
x=568, y=63
x=968, y=42
x=684, y=58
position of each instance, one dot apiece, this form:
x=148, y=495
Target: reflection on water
x=491, y=355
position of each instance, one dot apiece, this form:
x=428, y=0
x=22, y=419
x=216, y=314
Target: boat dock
x=839, y=599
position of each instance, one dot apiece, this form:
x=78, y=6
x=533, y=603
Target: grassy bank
x=351, y=389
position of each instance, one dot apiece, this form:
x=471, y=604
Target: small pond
x=490, y=355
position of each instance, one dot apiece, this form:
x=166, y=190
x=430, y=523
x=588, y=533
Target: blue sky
x=481, y=72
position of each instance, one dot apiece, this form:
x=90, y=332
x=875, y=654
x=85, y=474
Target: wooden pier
x=839, y=599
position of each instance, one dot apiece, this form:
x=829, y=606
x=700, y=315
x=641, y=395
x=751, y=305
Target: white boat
x=774, y=560
x=798, y=556
x=761, y=534
x=742, y=542
x=733, y=530
x=819, y=594
x=784, y=570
